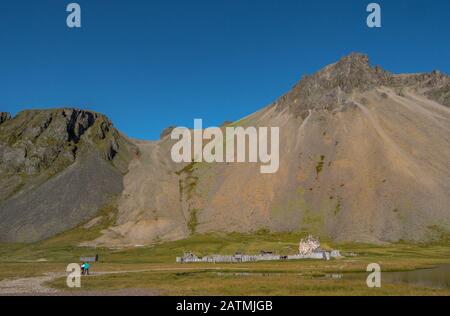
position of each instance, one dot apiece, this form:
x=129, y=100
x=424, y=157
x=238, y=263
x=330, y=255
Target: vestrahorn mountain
x=364, y=156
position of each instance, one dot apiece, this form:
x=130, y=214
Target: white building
x=309, y=248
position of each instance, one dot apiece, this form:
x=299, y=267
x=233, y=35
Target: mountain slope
x=58, y=167
x=364, y=156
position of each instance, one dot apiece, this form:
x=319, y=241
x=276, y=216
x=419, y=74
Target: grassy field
x=219, y=283
x=154, y=268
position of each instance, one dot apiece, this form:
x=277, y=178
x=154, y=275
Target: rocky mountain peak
x=329, y=88
x=354, y=71
x=348, y=66
x=37, y=140
x=4, y=116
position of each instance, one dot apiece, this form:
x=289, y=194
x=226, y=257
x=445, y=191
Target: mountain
x=364, y=156
x=57, y=167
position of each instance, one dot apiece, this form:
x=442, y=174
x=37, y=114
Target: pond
x=437, y=277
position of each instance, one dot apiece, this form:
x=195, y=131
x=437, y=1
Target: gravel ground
x=27, y=286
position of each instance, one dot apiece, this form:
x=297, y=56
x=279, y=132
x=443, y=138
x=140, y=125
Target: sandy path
x=29, y=285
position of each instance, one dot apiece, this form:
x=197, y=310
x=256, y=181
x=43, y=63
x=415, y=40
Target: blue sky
x=148, y=64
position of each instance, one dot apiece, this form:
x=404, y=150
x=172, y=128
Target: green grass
x=107, y=215
x=214, y=283
x=187, y=169
x=193, y=221
x=63, y=248
x=167, y=277
x=338, y=207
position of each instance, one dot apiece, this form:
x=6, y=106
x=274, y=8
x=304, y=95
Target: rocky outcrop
x=4, y=116
x=57, y=168
x=330, y=87
x=166, y=132
x=38, y=140
x=439, y=88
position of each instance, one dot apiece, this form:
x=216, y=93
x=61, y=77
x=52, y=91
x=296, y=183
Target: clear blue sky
x=148, y=64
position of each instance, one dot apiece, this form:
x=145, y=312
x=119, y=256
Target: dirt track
x=36, y=286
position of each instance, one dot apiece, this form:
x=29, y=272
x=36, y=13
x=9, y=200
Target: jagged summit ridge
x=36, y=140
x=331, y=87
x=350, y=73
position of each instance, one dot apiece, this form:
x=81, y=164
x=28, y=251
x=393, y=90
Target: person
x=86, y=268
x=83, y=268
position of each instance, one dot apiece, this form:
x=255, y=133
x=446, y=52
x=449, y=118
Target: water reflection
x=437, y=277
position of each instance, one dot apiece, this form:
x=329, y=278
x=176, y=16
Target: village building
x=309, y=248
